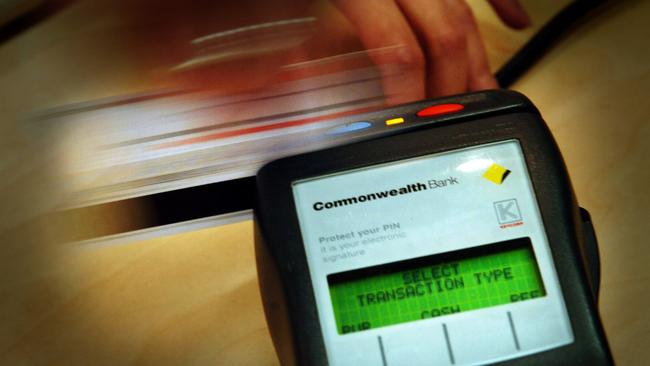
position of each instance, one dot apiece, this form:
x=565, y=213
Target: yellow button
x=394, y=121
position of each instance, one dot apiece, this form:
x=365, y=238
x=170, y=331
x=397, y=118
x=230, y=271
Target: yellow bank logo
x=496, y=173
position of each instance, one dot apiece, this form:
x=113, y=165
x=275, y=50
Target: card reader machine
x=448, y=234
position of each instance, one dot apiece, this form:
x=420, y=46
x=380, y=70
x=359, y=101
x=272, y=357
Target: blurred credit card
x=137, y=145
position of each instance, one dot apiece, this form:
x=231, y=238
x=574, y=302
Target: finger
x=511, y=13
x=480, y=76
x=392, y=45
x=438, y=25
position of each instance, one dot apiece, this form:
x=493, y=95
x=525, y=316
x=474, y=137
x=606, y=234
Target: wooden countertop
x=192, y=298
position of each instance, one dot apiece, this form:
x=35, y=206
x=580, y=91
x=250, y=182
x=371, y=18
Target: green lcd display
x=437, y=285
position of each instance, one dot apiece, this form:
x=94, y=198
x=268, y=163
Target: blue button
x=349, y=127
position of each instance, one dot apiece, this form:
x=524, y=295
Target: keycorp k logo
x=508, y=213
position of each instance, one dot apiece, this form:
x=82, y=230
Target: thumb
x=511, y=13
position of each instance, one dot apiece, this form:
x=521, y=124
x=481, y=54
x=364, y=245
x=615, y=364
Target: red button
x=436, y=110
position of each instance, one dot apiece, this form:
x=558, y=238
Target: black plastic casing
x=491, y=116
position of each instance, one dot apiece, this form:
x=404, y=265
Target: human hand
x=436, y=43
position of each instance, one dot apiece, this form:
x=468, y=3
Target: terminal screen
x=438, y=285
